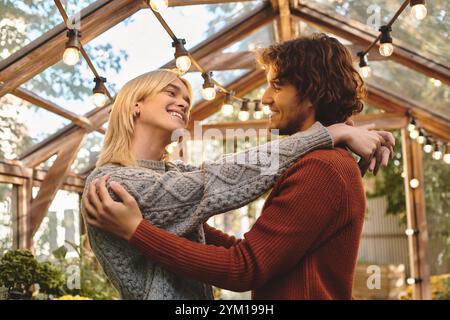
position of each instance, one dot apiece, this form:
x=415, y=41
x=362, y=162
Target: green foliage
x=49, y=278
x=389, y=182
x=94, y=283
x=18, y=271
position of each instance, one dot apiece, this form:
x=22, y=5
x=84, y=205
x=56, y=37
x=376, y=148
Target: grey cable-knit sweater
x=180, y=198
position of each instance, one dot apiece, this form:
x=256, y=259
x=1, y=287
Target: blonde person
x=179, y=197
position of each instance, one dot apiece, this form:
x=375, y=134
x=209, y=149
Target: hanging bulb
x=258, y=113
x=159, y=5
x=71, y=55
x=437, y=153
x=227, y=107
x=412, y=124
x=183, y=62
x=447, y=153
x=386, y=48
x=414, y=134
x=364, y=67
x=418, y=9
x=244, y=113
x=266, y=109
x=421, y=138
x=99, y=92
x=209, y=90
x=428, y=147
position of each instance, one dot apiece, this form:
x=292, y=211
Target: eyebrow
x=178, y=90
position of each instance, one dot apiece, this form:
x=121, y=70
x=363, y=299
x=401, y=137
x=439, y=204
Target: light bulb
x=183, y=63
x=71, y=56
x=414, y=183
x=243, y=115
x=159, y=5
x=414, y=134
x=411, y=127
x=437, y=155
x=227, y=109
x=258, y=114
x=427, y=148
x=99, y=99
x=266, y=109
x=209, y=93
x=410, y=232
x=421, y=139
x=365, y=71
x=447, y=158
x=419, y=11
x=386, y=49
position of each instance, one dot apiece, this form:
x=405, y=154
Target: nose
x=181, y=103
x=267, y=98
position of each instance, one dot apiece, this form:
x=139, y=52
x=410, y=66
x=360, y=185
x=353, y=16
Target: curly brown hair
x=321, y=69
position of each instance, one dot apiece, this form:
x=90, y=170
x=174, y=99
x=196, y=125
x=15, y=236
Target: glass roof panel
x=23, y=21
x=429, y=36
x=22, y=125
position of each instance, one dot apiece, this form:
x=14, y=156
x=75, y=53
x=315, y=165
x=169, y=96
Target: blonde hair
x=117, y=144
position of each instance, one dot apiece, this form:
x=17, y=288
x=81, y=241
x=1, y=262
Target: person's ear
x=137, y=109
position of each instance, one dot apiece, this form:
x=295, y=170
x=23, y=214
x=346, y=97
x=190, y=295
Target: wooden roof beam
x=48, y=49
x=34, y=99
x=50, y=146
x=231, y=34
x=363, y=35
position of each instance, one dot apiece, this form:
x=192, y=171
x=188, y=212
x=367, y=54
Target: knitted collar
x=152, y=164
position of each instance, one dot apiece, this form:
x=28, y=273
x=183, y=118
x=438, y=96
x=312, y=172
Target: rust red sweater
x=303, y=246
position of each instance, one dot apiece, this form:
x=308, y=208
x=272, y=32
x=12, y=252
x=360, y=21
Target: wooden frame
x=416, y=218
x=49, y=48
x=361, y=34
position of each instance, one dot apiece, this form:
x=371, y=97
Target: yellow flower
x=70, y=297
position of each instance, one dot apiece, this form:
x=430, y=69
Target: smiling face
x=289, y=113
x=168, y=110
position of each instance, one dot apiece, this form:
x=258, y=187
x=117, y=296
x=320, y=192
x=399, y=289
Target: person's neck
x=305, y=125
x=149, y=143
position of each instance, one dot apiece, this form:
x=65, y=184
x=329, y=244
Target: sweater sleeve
x=298, y=216
x=182, y=201
x=218, y=238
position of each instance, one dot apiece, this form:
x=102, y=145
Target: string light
x=209, y=89
x=364, y=67
x=437, y=153
x=183, y=62
x=411, y=232
x=258, y=113
x=421, y=138
x=227, y=107
x=244, y=113
x=412, y=281
x=414, y=183
x=99, y=92
x=414, y=134
x=386, y=48
x=71, y=55
x=428, y=147
x=266, y=109
x=159, y=5
x=418, y=9
x=412, y=124
x=447, y=153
